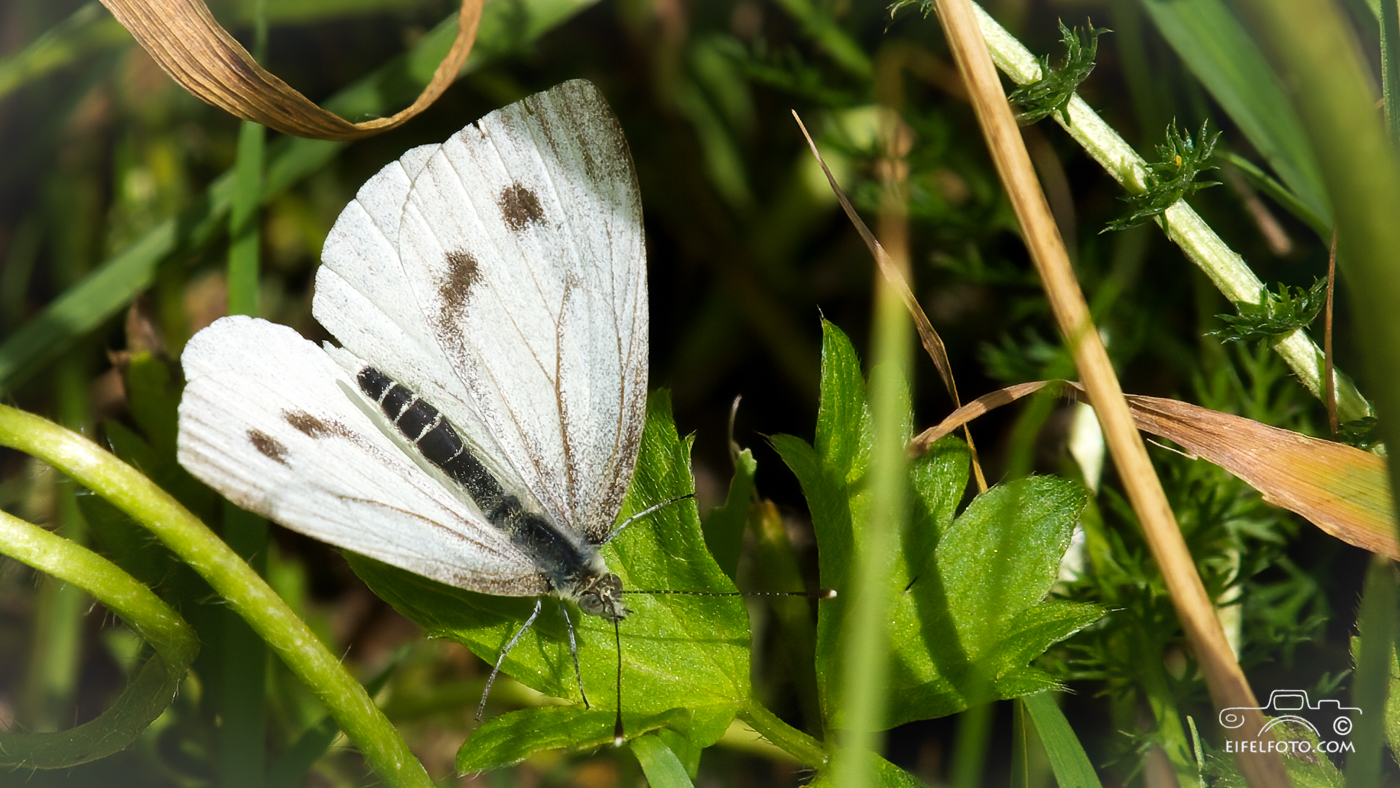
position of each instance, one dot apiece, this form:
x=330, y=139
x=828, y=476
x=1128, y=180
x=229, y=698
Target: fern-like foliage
x=1275, y=315
x=1171, y=177
x=1052, y=92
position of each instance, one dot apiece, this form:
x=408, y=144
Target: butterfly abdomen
x=560, y=557
x=439, y=442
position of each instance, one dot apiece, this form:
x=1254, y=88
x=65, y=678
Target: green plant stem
x=1183, y=226
x=151, y=686
x=69, y=562
x=246, y=593
x=799, y=745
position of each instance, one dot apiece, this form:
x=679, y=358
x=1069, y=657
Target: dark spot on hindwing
x=268, y=445
x=520, y=206
x=462, y=275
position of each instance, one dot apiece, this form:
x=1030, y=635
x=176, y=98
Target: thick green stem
x=151, y=686
x=247, y=594
x=1183, y=226
x=792, y=741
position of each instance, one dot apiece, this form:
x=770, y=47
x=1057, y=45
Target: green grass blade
x=110, y=287
x=661, y=766
x=1067, y=757
x=83, y=34
x=244, y=221
x=91, y=30
x=1215, y=46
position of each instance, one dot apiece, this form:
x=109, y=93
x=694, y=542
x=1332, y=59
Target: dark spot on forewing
x=456, y=288
x=520, y=206
x=314, y=426
x=268, y=445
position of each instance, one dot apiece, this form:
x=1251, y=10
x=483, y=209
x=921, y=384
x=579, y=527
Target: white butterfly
x=500, y=277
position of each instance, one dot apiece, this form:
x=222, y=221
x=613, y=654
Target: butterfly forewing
x=512, y=296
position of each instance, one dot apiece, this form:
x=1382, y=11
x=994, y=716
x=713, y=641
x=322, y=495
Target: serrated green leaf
x=724, y=528
x=969, y=615
x=678, y=651
x=843, y=418
x=1171, y=178
x=1051, y=93
x=1275, y=315
x=511, y=738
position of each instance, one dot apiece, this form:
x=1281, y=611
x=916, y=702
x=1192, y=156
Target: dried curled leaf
x=1342, y=490
x=183, y=37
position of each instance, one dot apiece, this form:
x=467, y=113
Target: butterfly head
x=600, y=594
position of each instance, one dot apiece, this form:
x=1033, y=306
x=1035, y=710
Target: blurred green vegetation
x=115, y=191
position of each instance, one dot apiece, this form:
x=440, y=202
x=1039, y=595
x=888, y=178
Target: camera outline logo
x=1282, y=706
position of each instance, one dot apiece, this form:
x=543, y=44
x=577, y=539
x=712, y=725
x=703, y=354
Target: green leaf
x=511, y=738
x=969, y=624
x=678, y=651
x=724, y=528
x=1275, y=315
x=1223, y=56
x=1052, y=92
x=843, y=417
x=969, y=615
x=1171, y=178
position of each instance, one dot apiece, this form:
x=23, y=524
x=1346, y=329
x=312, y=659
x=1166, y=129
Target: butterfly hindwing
x=274, y=424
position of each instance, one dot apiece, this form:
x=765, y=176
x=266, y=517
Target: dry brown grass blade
x=1342, y=490
x=1224, y=678
x=185, y=40
x=928, y=337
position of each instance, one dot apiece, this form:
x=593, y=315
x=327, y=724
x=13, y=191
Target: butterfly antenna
x=496, y=671
x=820, y=593
x=643, y=513
x=618, y=736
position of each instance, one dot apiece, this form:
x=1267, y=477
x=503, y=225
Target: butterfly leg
x=496, y=671
x=573, y=651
